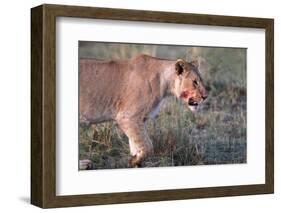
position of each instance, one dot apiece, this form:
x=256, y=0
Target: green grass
x=214, y=135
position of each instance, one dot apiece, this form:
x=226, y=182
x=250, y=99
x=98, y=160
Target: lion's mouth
x=191, y=102
x=193, y=105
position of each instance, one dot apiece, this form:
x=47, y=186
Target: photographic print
x=148, y=105
x=110, y=99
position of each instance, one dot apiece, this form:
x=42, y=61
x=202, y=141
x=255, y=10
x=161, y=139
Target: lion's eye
x=195, y=82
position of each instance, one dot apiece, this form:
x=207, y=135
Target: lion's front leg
x=139, y=141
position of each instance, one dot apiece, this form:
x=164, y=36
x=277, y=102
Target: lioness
x=130, y=91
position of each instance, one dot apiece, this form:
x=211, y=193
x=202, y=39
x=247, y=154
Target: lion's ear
x=195, y=63
x=180, y=66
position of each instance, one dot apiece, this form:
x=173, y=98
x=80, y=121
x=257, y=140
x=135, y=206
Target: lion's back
x=100, y=84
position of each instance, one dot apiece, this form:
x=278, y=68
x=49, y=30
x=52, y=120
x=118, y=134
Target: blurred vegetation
x=215, y=135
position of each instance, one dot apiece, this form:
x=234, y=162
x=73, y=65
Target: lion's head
x=188, y=84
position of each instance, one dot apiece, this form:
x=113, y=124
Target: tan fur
x=128, y=91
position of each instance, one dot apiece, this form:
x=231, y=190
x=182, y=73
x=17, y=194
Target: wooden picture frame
x=43, y=105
